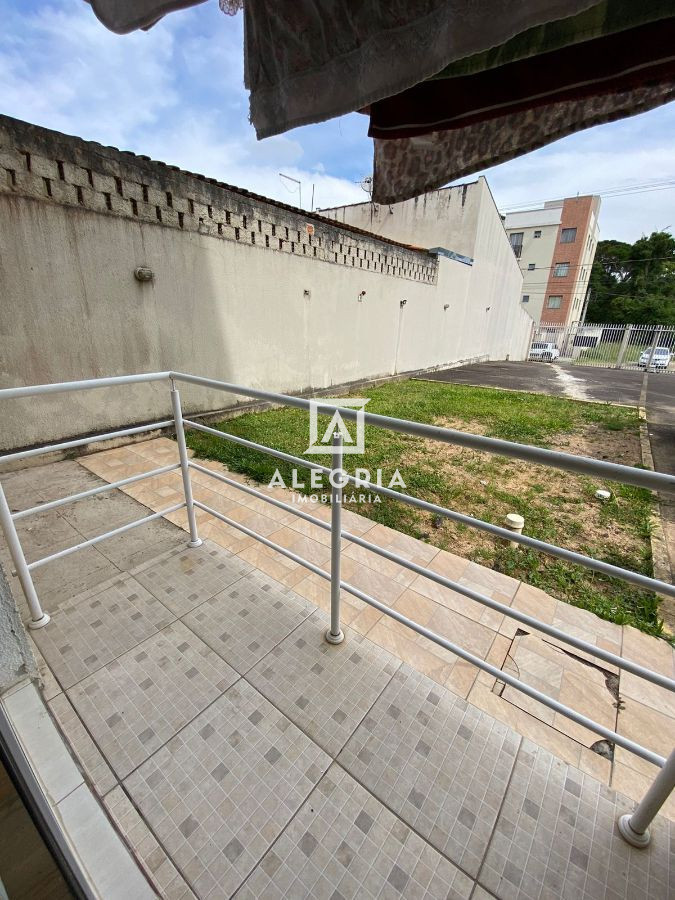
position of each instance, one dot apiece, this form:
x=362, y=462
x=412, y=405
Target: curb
x=657, y=538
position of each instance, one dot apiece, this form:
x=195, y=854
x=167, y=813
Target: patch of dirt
x=488, y=487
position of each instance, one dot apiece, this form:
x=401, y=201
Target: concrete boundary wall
x=50, y=166
x=243, y=289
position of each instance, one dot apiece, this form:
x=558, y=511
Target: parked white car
x=660, y=360
x=544, y=351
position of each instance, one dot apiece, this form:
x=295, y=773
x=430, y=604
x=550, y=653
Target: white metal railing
x=635, y=827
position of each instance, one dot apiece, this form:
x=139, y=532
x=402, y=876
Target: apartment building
x=555, y=246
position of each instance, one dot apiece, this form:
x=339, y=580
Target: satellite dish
x=367, y=185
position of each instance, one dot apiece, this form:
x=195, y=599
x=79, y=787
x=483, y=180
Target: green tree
x=634, y=282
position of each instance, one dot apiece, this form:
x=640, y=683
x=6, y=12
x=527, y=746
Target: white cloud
x=173, y=93
x=60, y=68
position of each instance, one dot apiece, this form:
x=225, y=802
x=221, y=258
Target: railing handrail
x=525, y=619
x=553, y=458
x=589, y=562
x=633, y=828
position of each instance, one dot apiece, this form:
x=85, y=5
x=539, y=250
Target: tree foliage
x=634, y=282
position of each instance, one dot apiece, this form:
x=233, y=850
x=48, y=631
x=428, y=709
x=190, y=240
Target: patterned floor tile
x=182, y=579
x=325, y=689
x=436, y=761
x=157, y=865
x=344, y=844
x=220, y=792
x=137, y=702
x=556, y=836
x=97, y=626
x=245, y=621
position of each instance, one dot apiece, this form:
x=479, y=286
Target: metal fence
x=633, y=827
x=637, y=347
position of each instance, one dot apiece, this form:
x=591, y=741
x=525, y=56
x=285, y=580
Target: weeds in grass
x=558, y=507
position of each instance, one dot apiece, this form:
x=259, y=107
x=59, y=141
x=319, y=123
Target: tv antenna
x=367, y=185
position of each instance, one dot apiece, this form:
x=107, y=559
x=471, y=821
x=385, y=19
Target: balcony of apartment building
x=244, y=695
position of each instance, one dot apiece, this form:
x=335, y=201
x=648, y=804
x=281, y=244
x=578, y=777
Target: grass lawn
x=558, y=507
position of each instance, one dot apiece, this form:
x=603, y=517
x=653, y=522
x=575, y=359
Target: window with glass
x=568, y=235
x=554, y=301
x=516, y=238
x=561, y=269
x=537, y=233
x=526, y=298
x=531, y=267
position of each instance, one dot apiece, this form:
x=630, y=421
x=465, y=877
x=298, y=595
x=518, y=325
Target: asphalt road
x=584, y=383
x=577, y=382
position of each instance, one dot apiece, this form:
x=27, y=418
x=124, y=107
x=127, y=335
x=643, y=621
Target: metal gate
x=637, y=347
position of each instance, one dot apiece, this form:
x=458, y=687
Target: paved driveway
x=576, y=382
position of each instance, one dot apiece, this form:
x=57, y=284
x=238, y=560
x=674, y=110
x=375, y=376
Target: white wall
x=465, y=220
x=72, y=309
x=445, y=218
x=245, y=289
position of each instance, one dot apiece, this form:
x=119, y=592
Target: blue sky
x=175, y=93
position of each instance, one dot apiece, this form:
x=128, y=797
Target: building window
x=516, y=238
x=531, y=267
x=568, y=235
x=526, y=298
x=554, y=301
x=561, y=269
x=537, y=233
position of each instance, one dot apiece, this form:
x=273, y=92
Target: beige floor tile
x=535, y=602
x=489, y=580
x=380, y=564
x=586, y=692
x=303, y=546
x=413, y=549
x=648, y=694
x=649, y=727
x=497, y=657
x=447, y=597
x=255, y=521
x=525, y=724
x=635, y=785
x=353, y=612
x=584, y=624
x=652, y=652
x=470, y=635
x=276, y=565
x=593, y=764
x=226, y=536
x=462, y=678
x=400, y=641
x=373, y=583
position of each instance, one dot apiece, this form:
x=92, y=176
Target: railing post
x=634, y=827
x=195, y=540
x=335, y=635
x=38, y=618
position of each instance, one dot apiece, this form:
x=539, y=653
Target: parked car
x=660, y=360
x=544, y=350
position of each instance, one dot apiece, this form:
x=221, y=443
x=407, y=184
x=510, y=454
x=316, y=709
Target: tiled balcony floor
x=645, y=713
x=240, y=754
